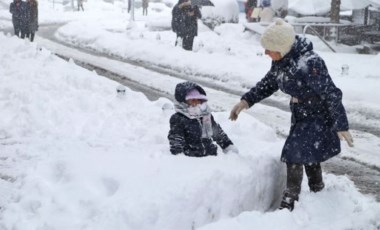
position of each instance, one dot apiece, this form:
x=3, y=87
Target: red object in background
x=249, y=6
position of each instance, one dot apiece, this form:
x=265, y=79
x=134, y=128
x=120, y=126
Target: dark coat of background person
x=185, y=135
x=318, y=116
x=185, y=26
x=145, y=5
x=80, y=5
x=33, y=22
x=20, y=17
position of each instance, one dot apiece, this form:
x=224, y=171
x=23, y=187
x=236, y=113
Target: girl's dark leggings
x=294, y=178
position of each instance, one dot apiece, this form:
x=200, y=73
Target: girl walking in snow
x=318, y=116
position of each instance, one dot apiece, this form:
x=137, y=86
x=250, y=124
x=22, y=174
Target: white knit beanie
x=279, y=36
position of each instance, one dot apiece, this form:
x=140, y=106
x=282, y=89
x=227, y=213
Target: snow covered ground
x=74, y=155
x=229, y=56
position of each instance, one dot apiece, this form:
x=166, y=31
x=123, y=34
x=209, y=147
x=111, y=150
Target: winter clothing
x=194, y=94
x=182, y=89
x=193, y=133
x=317, y=115
x=316, y=105
x=20, y=17
x=145, y=5
x=33, y=18
x=279, y=36
x=294, y=181
x=80, y=5
x=15, y=10
x=187, y=42
x=184, y=24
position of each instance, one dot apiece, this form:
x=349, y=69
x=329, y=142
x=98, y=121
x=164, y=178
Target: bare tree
x=335, y=9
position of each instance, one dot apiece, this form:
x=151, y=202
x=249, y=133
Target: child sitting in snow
x=193, y=129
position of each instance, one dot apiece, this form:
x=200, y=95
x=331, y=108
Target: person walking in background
x=15, y=10
x=25, y=19
x=33, y=19
x=80, y=5
x=145, y=5
x=318, y=117
x=184, y=23
x=193, y=128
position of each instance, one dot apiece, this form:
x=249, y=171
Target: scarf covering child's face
x=198, y=109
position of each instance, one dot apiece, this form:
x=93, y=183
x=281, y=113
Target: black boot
x=316, y=187
x=293, y=185
x=288, y=201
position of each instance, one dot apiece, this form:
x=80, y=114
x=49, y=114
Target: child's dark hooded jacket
x=185, y=135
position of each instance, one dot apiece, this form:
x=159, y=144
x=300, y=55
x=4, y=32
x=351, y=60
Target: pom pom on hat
x=279, y=37
x=194, y=94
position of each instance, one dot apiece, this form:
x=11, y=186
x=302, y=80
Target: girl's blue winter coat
x=317, y=112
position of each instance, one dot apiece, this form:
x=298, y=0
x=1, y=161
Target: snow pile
x=79, y=157
x=84, y=157
x=74, y=155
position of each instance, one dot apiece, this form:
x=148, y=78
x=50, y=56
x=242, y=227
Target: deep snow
x=74, y=155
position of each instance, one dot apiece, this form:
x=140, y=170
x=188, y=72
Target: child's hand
x=231, y=149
